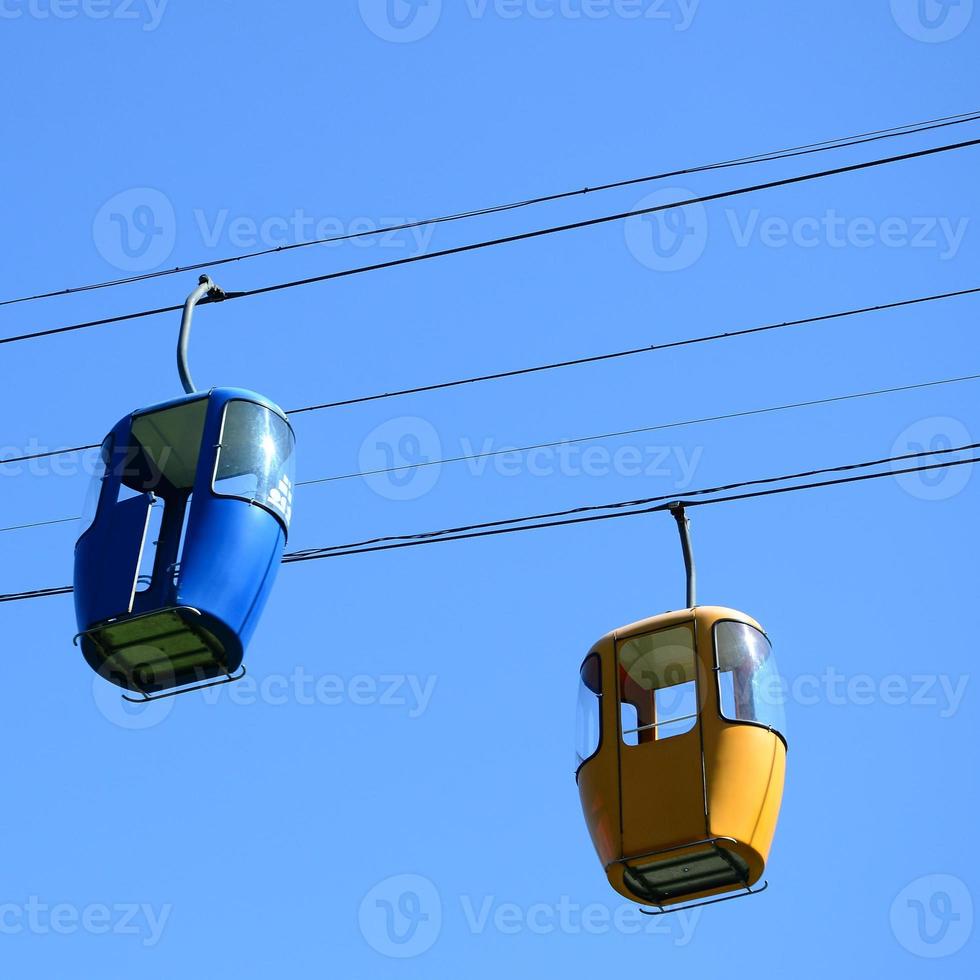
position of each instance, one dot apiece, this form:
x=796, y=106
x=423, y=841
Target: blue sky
x=404, y=746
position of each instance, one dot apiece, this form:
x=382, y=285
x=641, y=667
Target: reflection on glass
x=749, y=683
x=255, y=458
x=94, y=490
x=587, y=720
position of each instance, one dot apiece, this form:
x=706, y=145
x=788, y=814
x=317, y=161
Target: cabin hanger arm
x=215, y=293
x=684, y=527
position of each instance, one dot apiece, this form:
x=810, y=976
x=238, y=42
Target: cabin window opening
x=658, y=685
x=629, y=719
x=166, y=448
x=183, y=540
x=151, y=540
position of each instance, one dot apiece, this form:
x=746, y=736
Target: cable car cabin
x=681, y=758
x=183, y=539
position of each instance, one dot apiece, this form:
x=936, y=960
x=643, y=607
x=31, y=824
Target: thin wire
x=910, y=129
x=575, y=362
x=544, y=521
x=624, y=504
x=438, y=539
x=619, y=505
x=48, y=453
x=26, y=527
x=631, y=352
x=605, y=219
x=648, y=428
x=507, y=240
x=36, y=594
x=592, y=438
x=94, y=323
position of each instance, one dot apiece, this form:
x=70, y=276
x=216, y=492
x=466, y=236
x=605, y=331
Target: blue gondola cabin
x=182, y=539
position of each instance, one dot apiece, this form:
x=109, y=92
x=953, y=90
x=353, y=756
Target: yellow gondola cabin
x=681, y=756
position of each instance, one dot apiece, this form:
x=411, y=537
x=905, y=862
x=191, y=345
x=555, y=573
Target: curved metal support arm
x=684, y=527
x=205, y=288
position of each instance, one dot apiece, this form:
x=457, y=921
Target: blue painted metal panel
x=110, y=560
